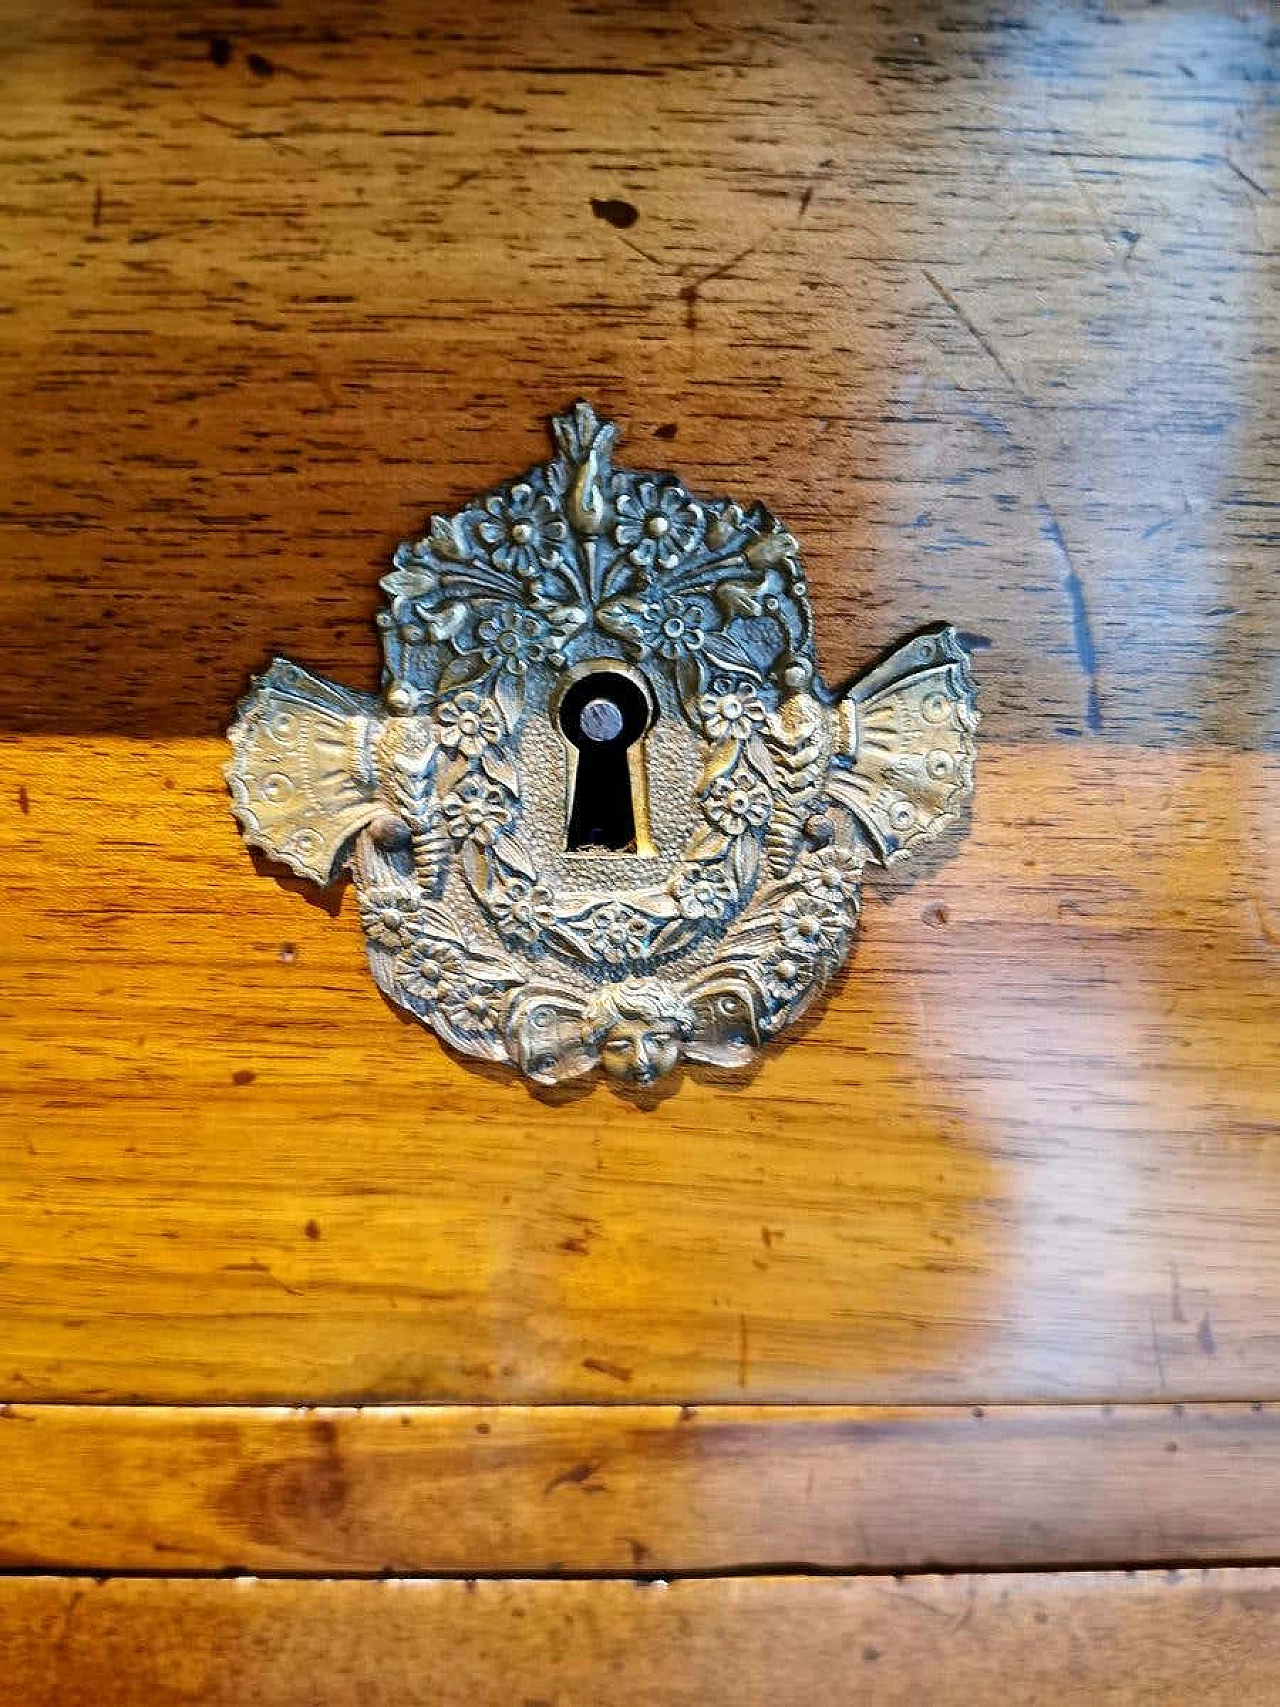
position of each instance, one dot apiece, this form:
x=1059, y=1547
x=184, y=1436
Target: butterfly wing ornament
x=605, y=812
x=904, y=748
x=301, y=773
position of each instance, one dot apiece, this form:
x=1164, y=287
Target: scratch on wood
x=899, y=1593
x=246, y=135
x=64, y=1634
x=257, y=1267
x=970, y=1604
x=1245, y=178
x=645, y=255
x=973, y=330
x=744, y=1352
x=1086, y=196
x=689, y=291
x=726, y=267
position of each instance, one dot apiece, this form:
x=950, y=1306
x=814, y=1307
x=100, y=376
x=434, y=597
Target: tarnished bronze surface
x=606, y=810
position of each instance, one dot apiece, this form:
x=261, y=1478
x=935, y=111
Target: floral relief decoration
x=726, y=931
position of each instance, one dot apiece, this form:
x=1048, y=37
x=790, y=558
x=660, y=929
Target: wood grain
x=1027, y=1151
x=1208, y=1639
x=639, y=1490
x=979, y=302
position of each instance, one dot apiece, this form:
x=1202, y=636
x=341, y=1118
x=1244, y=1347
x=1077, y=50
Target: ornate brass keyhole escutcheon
x=605, y=810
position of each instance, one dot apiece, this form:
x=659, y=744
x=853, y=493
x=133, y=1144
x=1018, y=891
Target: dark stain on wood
x=1081, y=625
x=602, y=1366
x=579, y=1476
x=622, y=215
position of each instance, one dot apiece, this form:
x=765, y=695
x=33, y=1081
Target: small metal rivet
x=600, y=720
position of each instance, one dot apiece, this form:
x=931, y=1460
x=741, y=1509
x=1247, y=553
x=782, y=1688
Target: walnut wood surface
x=627, y=1489
x=1025, y=1152
x=978, y=302
x=1208, y=1639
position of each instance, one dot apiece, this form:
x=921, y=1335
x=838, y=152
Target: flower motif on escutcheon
x=656, y=525
x=522, y=529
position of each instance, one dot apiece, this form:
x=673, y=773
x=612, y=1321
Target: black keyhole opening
x=603, y=715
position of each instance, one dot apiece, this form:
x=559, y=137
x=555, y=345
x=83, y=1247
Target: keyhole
x=602, y=716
